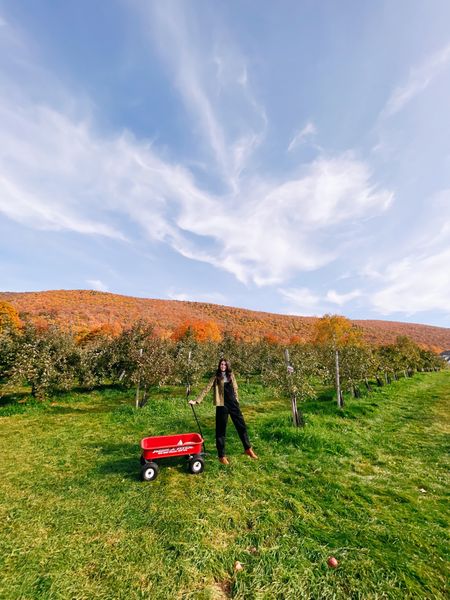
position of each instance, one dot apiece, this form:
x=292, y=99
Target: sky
x=290, y=157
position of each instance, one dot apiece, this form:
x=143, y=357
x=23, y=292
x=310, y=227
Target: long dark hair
x=227, y=370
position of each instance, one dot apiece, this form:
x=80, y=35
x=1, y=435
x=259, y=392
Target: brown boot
x=224, y=460
x=250, y=452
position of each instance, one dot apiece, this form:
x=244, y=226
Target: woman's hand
x=192, y=402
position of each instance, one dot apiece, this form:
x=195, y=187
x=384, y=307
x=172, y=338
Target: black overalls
x=231, y=407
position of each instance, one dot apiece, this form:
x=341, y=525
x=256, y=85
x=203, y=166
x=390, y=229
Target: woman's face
x=223, y=365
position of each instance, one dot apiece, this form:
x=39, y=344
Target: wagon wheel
x=149, y=471
x=196, y=465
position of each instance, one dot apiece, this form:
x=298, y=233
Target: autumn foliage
x=9, y=317
x=336, y=330
x=85, y=311
x=202, y=331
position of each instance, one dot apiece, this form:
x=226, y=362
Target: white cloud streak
x=412, y=285
x=341, y=299
x=213, y=297
x=302, y=301
x=97, y=285
x=420, y=280
x=58, y=172
x=418, y=81
x=307, y=302
x=215, y=91
x=308, y=131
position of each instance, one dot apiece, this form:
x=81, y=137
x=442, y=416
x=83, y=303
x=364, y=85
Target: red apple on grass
x=332, y=562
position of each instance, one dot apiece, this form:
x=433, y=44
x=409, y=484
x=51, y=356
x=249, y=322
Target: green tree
x=292, y=374
x=46, y=359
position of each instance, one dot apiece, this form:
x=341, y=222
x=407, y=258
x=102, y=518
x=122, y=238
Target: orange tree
x=331, y=334
x=202, y=331
x=10, y=329
x=9, y=318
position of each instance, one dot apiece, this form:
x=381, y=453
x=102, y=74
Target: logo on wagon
x=174, y=450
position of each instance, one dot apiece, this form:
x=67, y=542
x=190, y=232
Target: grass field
x=367, y=486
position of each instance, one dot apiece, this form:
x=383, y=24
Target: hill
x=86, y=309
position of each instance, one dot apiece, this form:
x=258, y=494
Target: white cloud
x=98, y=285
x=301, y=136
x=419, y=79
x=420, y=279
x=302, y=301
x=216, y=92
x=271, y=230
x=212, y=297
x=305, y=301
x=341, y=299
x=416, y=284
x=58, y=172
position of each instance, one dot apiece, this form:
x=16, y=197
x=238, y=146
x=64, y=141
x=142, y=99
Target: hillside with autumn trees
x=85, y=310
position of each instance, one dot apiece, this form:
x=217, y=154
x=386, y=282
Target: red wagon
x=168, y=446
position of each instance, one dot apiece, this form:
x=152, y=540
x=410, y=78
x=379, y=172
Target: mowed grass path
x=367, y=486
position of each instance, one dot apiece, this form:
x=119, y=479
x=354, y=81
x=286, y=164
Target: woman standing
x=226, y=401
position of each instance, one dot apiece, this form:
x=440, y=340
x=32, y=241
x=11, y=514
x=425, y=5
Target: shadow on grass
x=13, y=397
x=354, y=408
x=59, y=409
x=124, y=460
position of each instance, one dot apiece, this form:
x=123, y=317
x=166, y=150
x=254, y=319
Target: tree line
x=51, y=359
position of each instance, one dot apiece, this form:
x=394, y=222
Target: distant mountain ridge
x=88, y=309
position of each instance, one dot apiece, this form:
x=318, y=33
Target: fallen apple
x=332, y=562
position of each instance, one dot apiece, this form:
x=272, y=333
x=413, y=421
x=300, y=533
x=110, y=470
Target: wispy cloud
x=415, y=284
x=419, y=79
x=341, y=299
x=308, y=131
x=216, y=92
x=418, y=280
x=302, y=301
x=212, y=297
x=97, y=285
x=295, y=222
x=59, y=172
x=305, y=301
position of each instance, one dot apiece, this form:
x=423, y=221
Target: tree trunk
x=143, y=401
x=297, y=415
x=340, y=400
x=137, y=395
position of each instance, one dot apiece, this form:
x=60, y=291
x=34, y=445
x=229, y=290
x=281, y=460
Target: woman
x=226, y=401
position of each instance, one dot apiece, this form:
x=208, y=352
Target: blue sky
x=290, y=156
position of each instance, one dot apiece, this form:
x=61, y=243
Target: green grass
x=367, y=485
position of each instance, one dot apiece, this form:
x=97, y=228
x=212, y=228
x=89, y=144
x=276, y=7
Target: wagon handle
x=199, y=428
x=188, y=391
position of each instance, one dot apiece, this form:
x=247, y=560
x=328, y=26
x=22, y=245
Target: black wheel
x=149, y=471
x=196, y=465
